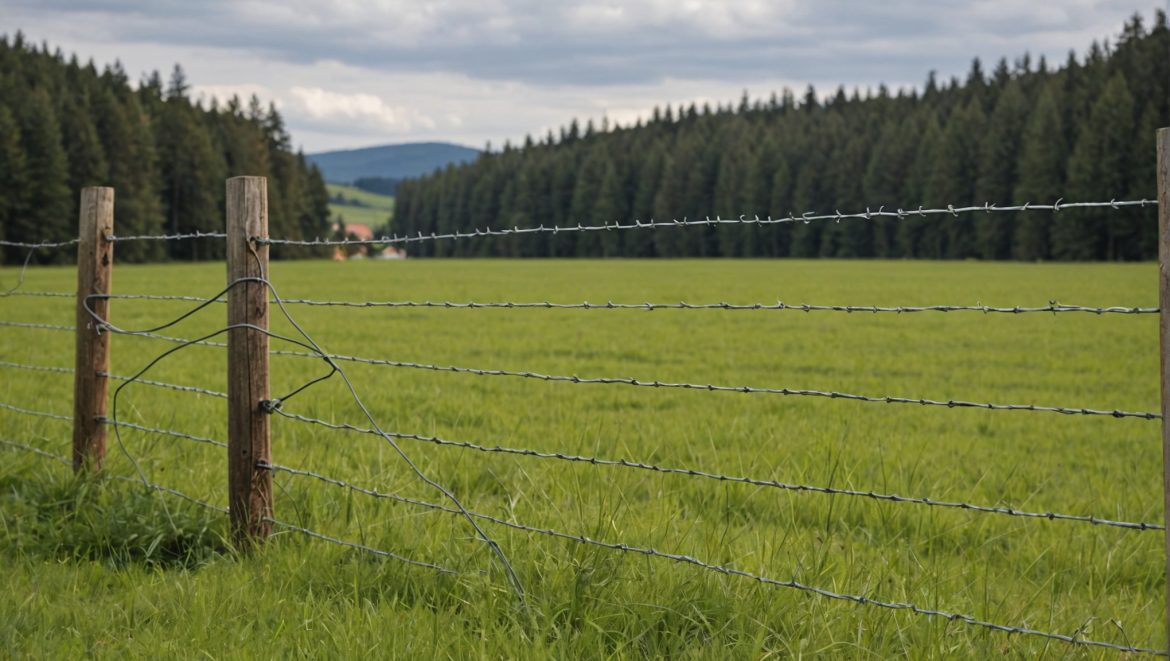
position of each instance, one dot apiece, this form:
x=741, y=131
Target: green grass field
x=103, y=570
x=377, y=212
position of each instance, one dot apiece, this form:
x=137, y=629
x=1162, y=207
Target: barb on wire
x=36, y=368
x=311, y=345
x=805, y=218
x=690, y=472
x=166, y=237
x=731, y=571
x=38, y=326
x=799, y=392
x=38, y=414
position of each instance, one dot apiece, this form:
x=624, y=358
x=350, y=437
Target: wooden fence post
x=249, y=487
x=95, y=265
x=1164, y=332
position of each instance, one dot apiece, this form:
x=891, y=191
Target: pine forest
x=1027, y=131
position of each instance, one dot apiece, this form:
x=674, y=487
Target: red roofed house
x=353, y=232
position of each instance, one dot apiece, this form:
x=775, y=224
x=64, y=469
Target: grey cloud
x=472, y=70
x=541, y=43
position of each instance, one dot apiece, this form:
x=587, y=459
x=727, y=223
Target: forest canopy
x=1025, y=131
x=65, y=125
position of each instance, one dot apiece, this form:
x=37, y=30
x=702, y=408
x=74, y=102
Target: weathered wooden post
x=1164, y=332
x=249, y=487
x=95, y=265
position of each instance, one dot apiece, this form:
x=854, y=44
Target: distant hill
x=390, y=161
x=354, y=205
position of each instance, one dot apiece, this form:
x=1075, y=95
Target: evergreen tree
x=1041, y=176
x=998, y=158
x=46, y=215
x=952, y=181
x=1097, y=169
x=13, y=181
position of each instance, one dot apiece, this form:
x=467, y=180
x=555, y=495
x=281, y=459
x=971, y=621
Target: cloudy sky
x=350, y=73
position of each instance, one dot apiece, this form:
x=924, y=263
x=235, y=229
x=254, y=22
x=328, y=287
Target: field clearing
x=103, y=570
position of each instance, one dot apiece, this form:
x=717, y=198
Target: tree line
x=1027, y=131
x=65, y=125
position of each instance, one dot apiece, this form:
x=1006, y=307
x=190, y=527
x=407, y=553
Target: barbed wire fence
x=93, y=323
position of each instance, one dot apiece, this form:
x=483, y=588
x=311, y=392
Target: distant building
x=355, y=231
x=390, y=252
x=359, y=232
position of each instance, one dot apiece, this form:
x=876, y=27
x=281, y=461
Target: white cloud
x=322, y=104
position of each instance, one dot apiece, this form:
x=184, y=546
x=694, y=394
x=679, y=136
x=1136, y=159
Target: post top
x=246, y=177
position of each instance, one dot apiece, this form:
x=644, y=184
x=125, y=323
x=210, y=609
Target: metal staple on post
x=249, y=489
x=95, y=262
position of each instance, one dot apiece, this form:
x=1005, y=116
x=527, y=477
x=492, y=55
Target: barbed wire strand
x=117, y=377
x=37, y=451
x=731, y=571
x=120, y=424
x=44, y=294
x=169, y=386
x=805, y=218
x=361, y=547
x=36, y=368
x=1052, y=307
x=795, y=392
x=37, y=326
x=310, y=344
x=40, y=244
x=798, y=392
x=163, y=297
x=690, y=472
x=32, y=412
x=113, y=238
x=179, y=340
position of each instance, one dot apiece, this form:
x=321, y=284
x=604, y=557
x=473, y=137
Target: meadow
x=375, y=210
x=105, y=569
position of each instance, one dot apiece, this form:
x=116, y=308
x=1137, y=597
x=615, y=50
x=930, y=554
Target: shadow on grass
x=44, y=515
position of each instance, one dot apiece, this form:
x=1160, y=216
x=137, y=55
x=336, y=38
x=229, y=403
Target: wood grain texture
x=249, y=488
x=95, y=265
x=1164, y=331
